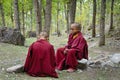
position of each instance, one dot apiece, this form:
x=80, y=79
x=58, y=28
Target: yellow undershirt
x=75, y=36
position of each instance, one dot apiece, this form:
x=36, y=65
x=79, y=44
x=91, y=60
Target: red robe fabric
x=40, y=60
x=78, y=49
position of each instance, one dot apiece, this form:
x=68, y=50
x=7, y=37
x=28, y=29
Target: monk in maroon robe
x=40, y=61
x=76, y=49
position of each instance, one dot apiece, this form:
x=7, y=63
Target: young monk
x=76, y=49
x=40, y=61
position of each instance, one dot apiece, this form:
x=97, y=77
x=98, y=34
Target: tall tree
x=111, y=15
x=38, y=16
x=102, y=23
x=58, y=10
x=72, y=10
x=40, y=8
x=81, y=7
x=67, y=11
x=16, y=15
x=31, y=19
x=11, y=14
x=94, y=19
x=23, y=20
x=48, y=15
x=2, y=13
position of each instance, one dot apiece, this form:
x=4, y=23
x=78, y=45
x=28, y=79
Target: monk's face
x=73, y=29
x=47, y=38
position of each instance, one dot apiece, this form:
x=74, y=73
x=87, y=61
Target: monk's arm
x=53, y=61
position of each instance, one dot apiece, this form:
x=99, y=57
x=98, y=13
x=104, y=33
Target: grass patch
x=11, y=55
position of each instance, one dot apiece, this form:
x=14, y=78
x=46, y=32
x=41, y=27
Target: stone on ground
x=31, y=34
x=82, y=64
x=115, y=58
x=107, y=64
x=11, y=36
x=16, y=68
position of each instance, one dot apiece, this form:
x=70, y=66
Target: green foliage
x=83, y=15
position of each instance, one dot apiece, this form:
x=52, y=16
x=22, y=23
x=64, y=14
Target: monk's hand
x=65, y=51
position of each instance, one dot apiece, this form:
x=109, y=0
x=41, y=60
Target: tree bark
x=43, y=10
x=58, y=31
x=80, y=7
x=16, y=15
x=66, y=10
x=102, y=23
x=72, y=10
x=11, y=15
x=38, y=16
x=31, y=20
x=111, y=16
x=23, y=20
x=94, y=19
x=48, y=15
x=40, y=8
x=2, y=14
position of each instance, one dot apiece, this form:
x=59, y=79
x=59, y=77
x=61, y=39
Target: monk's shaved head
x=44, y=34
x=77, y=26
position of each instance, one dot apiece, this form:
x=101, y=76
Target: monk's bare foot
x=70, y=70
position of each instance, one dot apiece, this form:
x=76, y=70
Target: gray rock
x=82, y=64
x=16, y=68
x=31, y=34
x=90, y=62
x=79, y=71
x=107, y=64
x=84, y=61
x=115, y=58
x=97, y=64
x=11, y=36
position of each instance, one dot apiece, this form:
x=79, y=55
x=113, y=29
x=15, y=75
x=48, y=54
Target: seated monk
x=40, y=61
x=76, y=49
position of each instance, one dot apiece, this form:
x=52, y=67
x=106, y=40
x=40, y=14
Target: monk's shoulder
x=49, y=44
x=81, y=38
x=32, y=44
x=35, y=43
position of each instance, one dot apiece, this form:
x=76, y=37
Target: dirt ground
x=11, y=55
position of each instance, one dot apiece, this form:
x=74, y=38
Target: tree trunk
x=111, y=16
x=2, y=14
x=94, y=19
x=48, y=15
x=11, y=15
x=16, y=15
x=23, y=20
x=40, y=8
x=31, y=20
x=72, y=10
x=102, y=23
x=80, y=7
x=66, y=9
x=43, y=10
x=38, y=16
x=58, y=31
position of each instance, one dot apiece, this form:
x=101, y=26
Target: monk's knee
x=71, y=52
x=60, y=49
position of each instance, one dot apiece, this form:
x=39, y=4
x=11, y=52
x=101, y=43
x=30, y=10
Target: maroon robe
x=40, y=59
x=77, y=49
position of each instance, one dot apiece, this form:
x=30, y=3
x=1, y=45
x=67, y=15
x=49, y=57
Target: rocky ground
x=12, y=55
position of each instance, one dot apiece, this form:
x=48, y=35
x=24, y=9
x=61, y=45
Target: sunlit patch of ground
x=11, y=55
